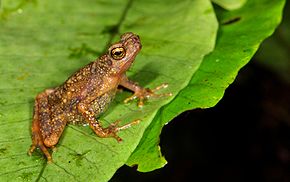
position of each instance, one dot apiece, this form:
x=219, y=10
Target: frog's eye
x=118, y=53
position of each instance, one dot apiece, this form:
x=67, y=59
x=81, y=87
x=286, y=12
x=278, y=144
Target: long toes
x=163, y=95
x=128, y=125
x=112, y=131
x=32, y=148
x=147, y=93
x=46, y=153
x=130, y=98
x=113, y=128
x=117, y=138
x=164, y=85
x=140, y=103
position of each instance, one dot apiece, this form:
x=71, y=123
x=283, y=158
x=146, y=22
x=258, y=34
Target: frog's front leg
x=110, y=131
x=45, y=131
x=141, y=93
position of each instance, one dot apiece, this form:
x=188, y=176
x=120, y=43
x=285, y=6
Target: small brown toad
x=87, y=94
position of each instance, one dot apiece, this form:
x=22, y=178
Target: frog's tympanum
x=87, y=94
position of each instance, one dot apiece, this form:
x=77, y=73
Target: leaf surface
x=43, y=42
x=230, y=4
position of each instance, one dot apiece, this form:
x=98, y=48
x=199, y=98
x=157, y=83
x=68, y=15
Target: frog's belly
x=101, y=104
x=98, y=106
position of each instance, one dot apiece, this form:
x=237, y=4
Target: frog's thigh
x=51, y=129
x=41, y=112
x=41, y=115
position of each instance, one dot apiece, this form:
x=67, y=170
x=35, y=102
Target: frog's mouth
x=127, y=65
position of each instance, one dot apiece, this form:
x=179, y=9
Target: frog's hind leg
x=41, y=111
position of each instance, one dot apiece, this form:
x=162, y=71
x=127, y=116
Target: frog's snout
x=136, y=39
x=129, y=35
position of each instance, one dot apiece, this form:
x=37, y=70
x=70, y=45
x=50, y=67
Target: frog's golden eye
x=118, y=53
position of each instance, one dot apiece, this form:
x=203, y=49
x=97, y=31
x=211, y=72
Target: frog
x=85, y=95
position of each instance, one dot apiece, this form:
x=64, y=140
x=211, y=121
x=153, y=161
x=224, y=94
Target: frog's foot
x=112, y=130
x=37, y=143
x=146, y=93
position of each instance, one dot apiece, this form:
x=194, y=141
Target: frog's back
x=81, y=84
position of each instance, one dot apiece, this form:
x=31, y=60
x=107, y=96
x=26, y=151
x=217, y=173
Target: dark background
x=245, y=137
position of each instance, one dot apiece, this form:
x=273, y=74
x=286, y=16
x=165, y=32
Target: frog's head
x=123, y=53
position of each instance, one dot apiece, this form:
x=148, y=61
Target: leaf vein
x=17, y=170
x=66, y=171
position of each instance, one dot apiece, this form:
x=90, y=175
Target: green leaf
x=44, y=42
x=230, y=4
x=240, y=34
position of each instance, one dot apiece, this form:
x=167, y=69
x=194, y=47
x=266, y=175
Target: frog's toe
x=38, y=143
x=114, y=128
x=42, y=148
x=137, y=95
x=31, y=150
x=163, y=85
x=114, y=135
x=128, y=99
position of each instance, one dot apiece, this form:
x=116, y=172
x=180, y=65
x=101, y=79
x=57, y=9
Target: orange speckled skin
x=85, y=95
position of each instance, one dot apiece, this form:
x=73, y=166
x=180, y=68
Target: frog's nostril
x=136, y=39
